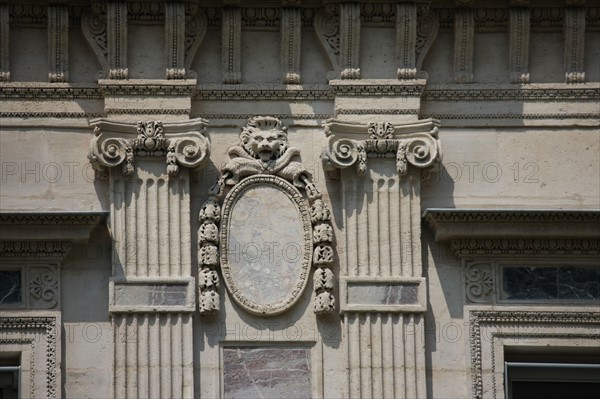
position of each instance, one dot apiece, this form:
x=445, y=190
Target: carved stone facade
x=248, y=199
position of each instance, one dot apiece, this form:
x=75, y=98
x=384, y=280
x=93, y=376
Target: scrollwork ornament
x=190, y=151
x=420, y=149
x=340, y=153
x=182, y=149
x=479, y=283
x=43, y=288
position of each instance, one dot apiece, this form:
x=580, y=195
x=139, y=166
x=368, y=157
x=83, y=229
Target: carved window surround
x=487, y=240
x=36, y=336
x=491, y=331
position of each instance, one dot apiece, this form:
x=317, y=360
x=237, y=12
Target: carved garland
x=247, y=162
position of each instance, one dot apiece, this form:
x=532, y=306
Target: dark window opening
x=553, y=375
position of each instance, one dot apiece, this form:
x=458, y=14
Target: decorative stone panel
x=264, y=161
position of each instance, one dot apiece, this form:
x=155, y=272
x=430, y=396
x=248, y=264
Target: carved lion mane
x=264, y=138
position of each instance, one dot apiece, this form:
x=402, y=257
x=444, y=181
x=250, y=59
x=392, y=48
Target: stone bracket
x=143, y=295
x=383, y=294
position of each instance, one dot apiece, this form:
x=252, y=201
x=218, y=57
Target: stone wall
x=390, y=108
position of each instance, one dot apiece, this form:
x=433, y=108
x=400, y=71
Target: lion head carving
x=264, y=138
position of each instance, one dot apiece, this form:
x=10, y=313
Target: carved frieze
x=264, y=164
x=180, y=144
x=412, y=143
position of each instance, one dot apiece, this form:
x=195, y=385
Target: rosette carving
x=416, y=144
x=181, y=144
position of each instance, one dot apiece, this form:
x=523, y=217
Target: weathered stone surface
x=511, y=88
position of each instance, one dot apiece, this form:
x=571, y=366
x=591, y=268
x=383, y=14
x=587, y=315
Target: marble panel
x=267, y=243
x=383, y=294
x=258, y=372
x=150, y=295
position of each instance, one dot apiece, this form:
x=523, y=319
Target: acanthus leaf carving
x=180, y=148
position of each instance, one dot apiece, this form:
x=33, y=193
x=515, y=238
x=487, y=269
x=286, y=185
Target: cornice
x=263, y=91
x=512, y=92
x=319, y=92
x=517, y=232
x=48, y=226
x=378, y=87
x=38, y=91
x=147, y=87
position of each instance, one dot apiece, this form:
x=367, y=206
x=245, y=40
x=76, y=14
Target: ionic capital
x=118, y=144
x=414, y=143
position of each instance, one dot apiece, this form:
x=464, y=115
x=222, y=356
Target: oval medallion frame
x=303, y=211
